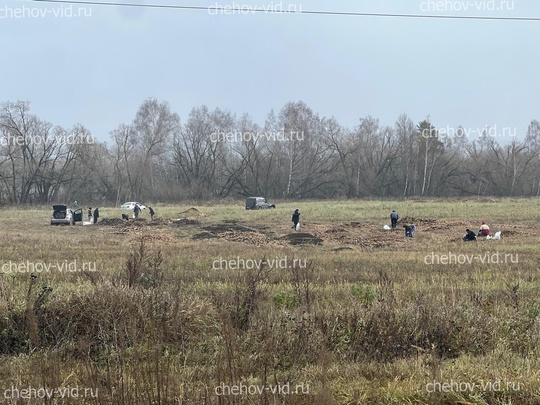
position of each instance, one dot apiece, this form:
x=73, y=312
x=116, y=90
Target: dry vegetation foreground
x=218, y=305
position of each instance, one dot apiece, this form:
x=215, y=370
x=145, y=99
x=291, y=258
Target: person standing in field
x=136, y=211
x=295, y=218
x=89, y=214
x=394, y=218
x=151, y=212
x=96, y=215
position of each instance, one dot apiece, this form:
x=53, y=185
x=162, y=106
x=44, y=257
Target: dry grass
x=358, y=319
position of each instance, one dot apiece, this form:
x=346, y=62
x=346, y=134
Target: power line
x=260, y=10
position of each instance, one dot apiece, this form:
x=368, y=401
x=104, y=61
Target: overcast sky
x=97, y=68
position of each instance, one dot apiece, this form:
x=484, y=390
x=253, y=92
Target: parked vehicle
x=62, y=215
x=131, y=204
x=257, y=203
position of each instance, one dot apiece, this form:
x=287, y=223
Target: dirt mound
x=228, y=227
x=204, y=235
x=356, y=234
x=252, y=238
x=417, y=221
x=111, y=221
x=302, y=238
x=233, y=231
x=192, y=212
x=126, y=223
x=185, y=221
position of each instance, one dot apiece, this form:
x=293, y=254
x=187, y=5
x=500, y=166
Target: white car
x=65, y=216
x=131, y=204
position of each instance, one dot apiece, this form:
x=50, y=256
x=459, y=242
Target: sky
x=96, y=64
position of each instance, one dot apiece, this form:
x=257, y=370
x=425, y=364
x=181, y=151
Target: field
x=213, y=304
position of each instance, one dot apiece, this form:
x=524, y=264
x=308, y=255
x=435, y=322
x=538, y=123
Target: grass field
x=219, y=305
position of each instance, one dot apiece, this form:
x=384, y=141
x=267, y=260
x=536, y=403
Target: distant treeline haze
x=296, y=154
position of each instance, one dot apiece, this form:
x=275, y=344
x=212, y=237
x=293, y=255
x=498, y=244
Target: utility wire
x=260, y=10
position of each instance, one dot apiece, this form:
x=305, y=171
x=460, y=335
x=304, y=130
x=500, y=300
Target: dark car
x=258, y=203
x=63, y=215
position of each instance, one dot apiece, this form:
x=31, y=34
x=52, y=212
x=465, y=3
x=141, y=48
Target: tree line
x=296, y=154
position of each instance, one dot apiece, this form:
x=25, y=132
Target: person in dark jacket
x=470, y=236
x=409, y=230
x=151, y=212
x=136, y=211
x=96, y=215
x=295, y=218
x=394, y=218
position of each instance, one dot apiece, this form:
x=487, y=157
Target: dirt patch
x=124, y=222
x=511, y=232
x=192, y=212
x=362, y=235
x=185, y=221
x=251, y=238
x=417, y=221
x=302, y=238
x=204, y=235
x=112, y=222
x=233, y=231
x=228, y=227
x=341, y=249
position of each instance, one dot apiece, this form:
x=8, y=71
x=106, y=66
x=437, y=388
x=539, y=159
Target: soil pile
x=184, y=221
x=302, y=238
x=111, y=222
x=233, y=232
x=192, y=212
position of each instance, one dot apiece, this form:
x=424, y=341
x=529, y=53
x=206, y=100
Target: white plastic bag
x=386, y=228
x=298, y=226
x=497, y=236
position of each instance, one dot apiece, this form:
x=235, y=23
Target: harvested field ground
x=353, y=234
x=211, y=296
